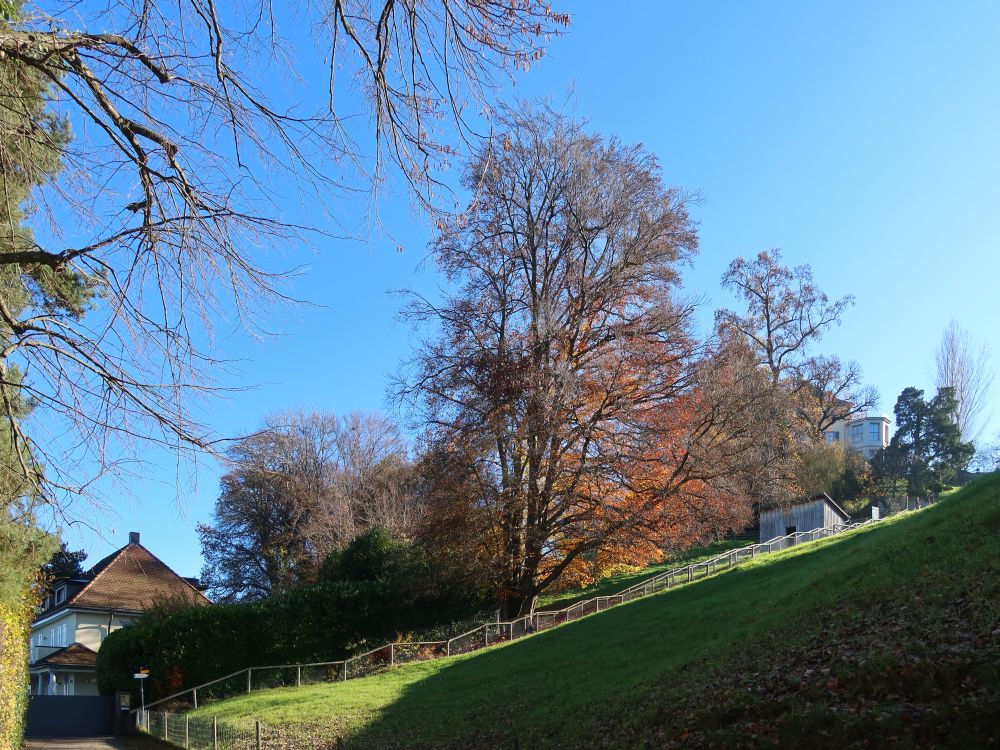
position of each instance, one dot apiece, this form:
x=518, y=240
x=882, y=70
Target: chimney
x=133, y=537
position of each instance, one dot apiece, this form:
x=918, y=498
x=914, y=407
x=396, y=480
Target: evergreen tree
x=65, y=564
x=927, y=448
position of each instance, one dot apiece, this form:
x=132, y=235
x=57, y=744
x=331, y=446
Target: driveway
x=96, y=743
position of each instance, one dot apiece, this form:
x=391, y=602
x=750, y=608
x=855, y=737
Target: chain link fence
x=183, y=730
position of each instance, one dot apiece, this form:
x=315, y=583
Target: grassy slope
x=888, y=636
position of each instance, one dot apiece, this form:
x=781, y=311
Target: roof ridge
x=174, y=572
x=834, y=504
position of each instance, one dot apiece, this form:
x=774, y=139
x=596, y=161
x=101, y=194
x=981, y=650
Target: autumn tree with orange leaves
x=573, y=420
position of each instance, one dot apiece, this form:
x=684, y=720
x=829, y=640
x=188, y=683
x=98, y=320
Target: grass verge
x=884, y=637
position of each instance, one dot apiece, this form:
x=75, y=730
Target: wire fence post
x=392, y=654
x=248, y=679
x=215, y=733
x=298, y=677
x=257, y=732
x=195, y=693
x=187, y=730
x=165, y=720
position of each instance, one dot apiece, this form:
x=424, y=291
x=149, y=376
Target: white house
x=78, y=614
x=865, y=434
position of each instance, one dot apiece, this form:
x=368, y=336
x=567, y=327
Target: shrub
x=23, y=551
x=378, y=587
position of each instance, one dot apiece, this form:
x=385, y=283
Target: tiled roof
x=133, y=578
x=73, y=655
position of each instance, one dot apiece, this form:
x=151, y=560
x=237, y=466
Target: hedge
x=23, y=551
x=375, y=591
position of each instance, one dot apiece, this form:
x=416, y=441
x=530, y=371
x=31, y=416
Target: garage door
x=70, y=716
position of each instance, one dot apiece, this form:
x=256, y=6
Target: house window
x=58, y=635
x=833, y=436
x=874, y=432
x=60, y=595
x=858, y=433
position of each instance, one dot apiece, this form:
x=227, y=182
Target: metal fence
x=184, y=730
x=175, y=727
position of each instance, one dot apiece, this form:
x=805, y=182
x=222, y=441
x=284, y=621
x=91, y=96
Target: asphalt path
x=94, y=743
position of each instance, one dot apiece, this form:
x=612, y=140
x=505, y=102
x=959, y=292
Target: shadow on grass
x=555, y=688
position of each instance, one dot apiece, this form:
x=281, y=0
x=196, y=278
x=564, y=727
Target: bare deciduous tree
x=786, y=315
x=786, y=312
x=967, y=370
x=834, y=392
x=371, y=482
x=304, y=485
x=185, y=131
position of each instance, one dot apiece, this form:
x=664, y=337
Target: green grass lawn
x=887, y=635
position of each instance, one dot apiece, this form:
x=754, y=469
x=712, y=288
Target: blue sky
x=858, y=137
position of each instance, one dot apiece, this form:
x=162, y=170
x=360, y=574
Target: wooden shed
x=816, y=512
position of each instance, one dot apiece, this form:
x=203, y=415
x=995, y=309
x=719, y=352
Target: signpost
x=141, y=675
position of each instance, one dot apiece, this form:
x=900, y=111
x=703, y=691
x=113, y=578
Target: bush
x=23, y=551
x=377, y=588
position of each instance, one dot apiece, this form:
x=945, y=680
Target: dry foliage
x=561, y=380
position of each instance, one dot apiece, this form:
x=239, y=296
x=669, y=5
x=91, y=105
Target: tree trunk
x=516, y=604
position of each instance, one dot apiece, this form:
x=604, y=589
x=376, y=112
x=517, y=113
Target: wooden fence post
x=195, y=692
x=165, y=720
x=257, y=731
x=248, y=679
x=298, y=677
x=215, y=733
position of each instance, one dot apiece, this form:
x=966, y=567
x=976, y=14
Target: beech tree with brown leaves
x=560, y=378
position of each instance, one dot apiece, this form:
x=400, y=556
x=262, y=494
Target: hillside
x=884, y=637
